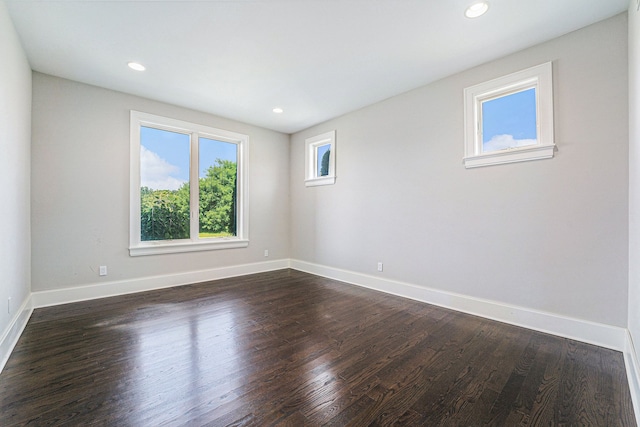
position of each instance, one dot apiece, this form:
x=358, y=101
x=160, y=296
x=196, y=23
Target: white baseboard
x=11, y=335
x=582, y=330
x=633, y=374
x=110, y=289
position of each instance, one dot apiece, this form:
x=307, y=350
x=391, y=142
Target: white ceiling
x=316, y=59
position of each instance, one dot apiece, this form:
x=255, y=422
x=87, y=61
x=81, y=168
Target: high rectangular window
x=320, y=159
x=188, y=186
x=510, y=119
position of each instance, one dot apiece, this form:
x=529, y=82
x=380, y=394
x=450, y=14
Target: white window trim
x=311, y=162
x=137, y=247
x=538, y=77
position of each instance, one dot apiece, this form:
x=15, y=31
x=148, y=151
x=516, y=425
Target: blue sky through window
x=211, y=149
x=164, y=157
x=509, y=121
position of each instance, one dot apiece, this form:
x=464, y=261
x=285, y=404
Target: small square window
x=510, y=119
x=320, y=156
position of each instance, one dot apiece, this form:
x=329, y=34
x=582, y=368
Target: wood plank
x=286, y=348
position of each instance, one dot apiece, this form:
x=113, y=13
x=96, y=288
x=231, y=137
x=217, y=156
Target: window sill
x=325, y=180
x=536, y=152
x=179, y=247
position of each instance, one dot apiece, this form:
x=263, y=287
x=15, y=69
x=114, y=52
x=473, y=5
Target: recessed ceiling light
x=476, y=9
x=136, y=66
x=278, y=110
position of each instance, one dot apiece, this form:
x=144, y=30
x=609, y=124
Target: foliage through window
x=218, y=176
x=188, y=189
x=323, y=153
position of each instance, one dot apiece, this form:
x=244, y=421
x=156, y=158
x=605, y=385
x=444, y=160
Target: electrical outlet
x=266, y=252
x=379, y=266
x=103, y=270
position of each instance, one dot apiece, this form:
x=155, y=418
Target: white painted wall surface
x=634, y=190
x=80, y=189
x=15, y=135
x=549, y=235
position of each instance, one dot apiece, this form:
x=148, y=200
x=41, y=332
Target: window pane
x=322, y=158
x=164, y=184
x=509, y=121
x=218, y=173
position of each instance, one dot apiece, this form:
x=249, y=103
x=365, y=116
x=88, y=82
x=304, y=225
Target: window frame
x=138, y=247
x=312, y=177
x=539, y=77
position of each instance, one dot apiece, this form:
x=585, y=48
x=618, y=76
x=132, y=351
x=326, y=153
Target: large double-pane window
x=188, y=186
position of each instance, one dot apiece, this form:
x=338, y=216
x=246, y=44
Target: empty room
x=310, y=213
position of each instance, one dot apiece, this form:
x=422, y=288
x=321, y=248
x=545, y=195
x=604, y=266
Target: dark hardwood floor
x=287, y=348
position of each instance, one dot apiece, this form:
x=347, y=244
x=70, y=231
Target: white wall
x=80, y=189
x=549, y=235
x=15, y=134
x=634, y=193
